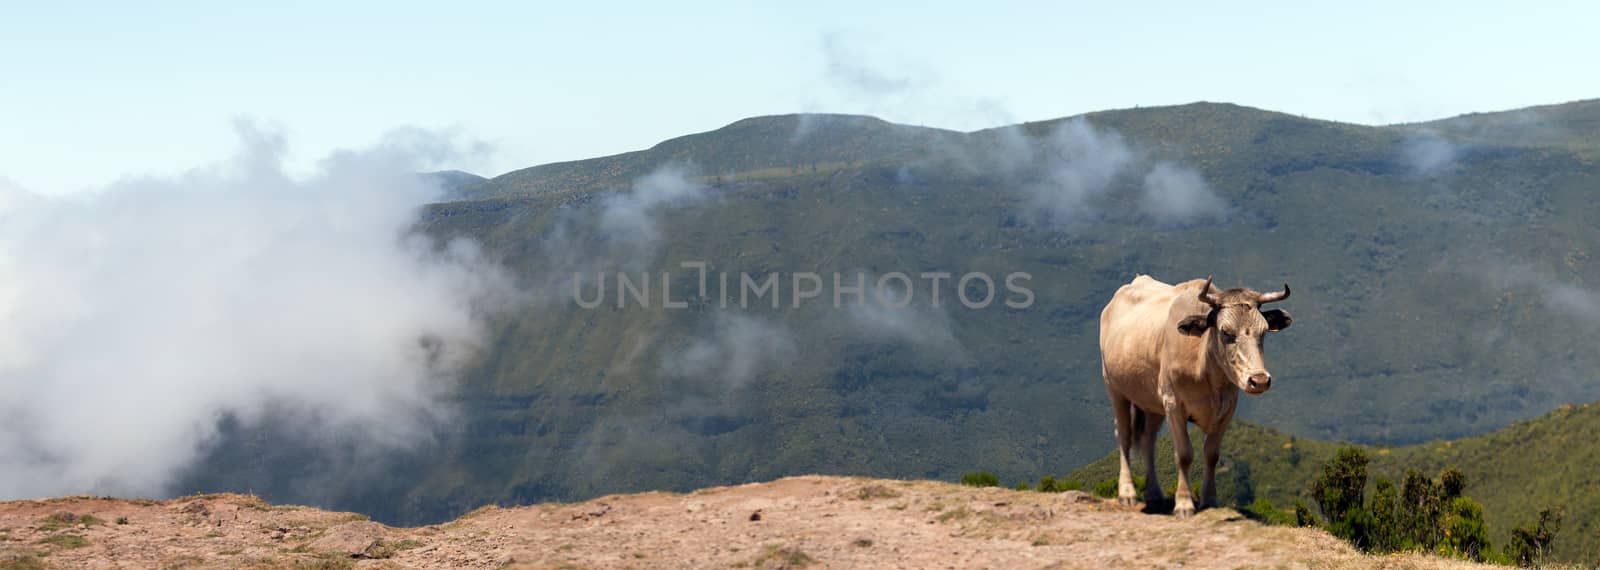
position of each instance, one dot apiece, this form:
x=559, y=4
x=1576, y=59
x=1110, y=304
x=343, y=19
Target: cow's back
x=1131, y=330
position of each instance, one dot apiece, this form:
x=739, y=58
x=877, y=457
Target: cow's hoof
x=1128, y=501
x=1183, y=510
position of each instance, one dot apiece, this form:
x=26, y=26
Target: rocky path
x=798, y=522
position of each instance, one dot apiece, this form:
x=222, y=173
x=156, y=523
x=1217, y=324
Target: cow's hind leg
x=1151, y=424
x=1123, y=410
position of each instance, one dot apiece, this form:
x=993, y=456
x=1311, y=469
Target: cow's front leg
x=1122, y=410
x=1147, y=447
x=1178, y=420
x=1213, y=450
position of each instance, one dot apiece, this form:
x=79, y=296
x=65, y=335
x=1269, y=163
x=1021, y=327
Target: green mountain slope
x=1573, y=126
x=1515, y=471
x=1433, y=298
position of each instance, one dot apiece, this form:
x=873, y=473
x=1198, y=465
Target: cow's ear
x=1277, y=319
x=1194, y=325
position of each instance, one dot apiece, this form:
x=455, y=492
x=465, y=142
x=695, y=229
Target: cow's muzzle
x=1258, y=383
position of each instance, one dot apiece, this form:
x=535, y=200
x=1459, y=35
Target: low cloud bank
x=1078, y=173
x=135, y=319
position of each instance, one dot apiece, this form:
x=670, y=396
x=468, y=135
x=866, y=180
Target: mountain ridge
x=526, y=177
x=706, y=150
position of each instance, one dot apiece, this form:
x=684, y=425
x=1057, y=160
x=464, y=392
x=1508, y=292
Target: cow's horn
x=1275, y=297
x=1206, y=296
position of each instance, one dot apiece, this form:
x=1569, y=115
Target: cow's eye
x=1229, y=338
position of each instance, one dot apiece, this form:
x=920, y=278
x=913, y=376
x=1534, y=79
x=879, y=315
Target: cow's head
x=1232, y=331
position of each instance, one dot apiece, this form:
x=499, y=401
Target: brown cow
x=1181, y=353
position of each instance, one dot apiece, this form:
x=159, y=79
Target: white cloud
x=1427, y=153
x=133, y=319
x=739, y=347
x=630, y=216
x=1080, y=165
x=1175, y=195
x=919, y=326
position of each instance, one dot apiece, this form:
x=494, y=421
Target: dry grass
x=957, y=514
x=779, y=556
x=871, y=492
x=64, y=541
x=21, y=561
x=388, y=549
x=181, y=562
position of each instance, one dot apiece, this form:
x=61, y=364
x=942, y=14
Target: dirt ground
x=798, y=522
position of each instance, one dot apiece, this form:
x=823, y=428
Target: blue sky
x=90, y=92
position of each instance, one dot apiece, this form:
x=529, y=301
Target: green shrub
x=1262, y=510
x=1357, y=527
x=1339, y=494
x=980, y=479
x=1244, y=486
x=1531, y=545
x=1452, y=483
x=1431, y=515
x=1344, y=479
x=1047, y=484
x=1060, y=485
x=1420, y=512
x=1302, y=514
x=1387, y=535
x=1023, y=486
x=1466, y=536
x=1106, y=488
